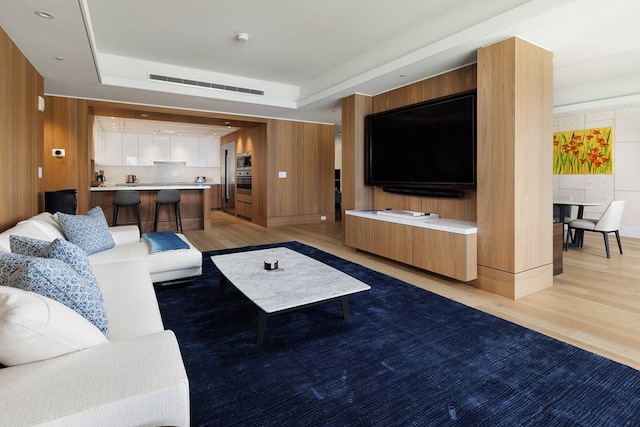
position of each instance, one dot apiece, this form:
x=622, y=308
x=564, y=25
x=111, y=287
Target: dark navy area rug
x=405, y=357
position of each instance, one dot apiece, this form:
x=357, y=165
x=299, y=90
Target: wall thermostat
x=58, y=152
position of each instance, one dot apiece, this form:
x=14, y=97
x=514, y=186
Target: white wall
x=624, y=183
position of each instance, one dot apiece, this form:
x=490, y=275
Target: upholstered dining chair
x=609, y=222
x=563, y=214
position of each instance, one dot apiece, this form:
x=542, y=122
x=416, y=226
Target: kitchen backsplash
x=118, y=174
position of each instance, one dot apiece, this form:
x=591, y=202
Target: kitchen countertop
x=152, y=186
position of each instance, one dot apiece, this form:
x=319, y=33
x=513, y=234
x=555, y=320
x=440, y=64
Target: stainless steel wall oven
x=243, y=182
x=243, y=173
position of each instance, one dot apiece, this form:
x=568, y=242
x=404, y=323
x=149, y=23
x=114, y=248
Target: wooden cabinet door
x=449, y=254
x=394, y=241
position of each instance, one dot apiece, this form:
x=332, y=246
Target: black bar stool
x=126, y=198
x=168, y=197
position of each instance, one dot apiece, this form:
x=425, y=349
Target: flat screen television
x=426, y=145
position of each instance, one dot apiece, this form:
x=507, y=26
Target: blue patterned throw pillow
x=9, y=263
x=60, y=249
x=90, y=232
x=71, y=254
x=55, y=279
x=27, y=245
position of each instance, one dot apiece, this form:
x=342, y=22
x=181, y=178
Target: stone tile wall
x=624, y=183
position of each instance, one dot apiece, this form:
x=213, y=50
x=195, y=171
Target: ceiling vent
x=208, y=85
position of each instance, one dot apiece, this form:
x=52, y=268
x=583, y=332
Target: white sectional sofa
x=136, y=377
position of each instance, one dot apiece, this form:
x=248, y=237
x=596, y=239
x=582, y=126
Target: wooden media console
x=444, y=246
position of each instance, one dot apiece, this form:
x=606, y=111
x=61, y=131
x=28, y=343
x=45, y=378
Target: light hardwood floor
x=594, y=304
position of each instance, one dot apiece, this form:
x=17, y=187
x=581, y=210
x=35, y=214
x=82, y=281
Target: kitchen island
x=194, y=205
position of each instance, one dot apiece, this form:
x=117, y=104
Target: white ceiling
x=306, y=55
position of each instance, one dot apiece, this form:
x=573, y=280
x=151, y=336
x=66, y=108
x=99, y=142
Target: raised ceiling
x=305, y=56
x=143, y=126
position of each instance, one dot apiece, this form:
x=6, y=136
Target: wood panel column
x=21, y=135
x=515, y=187
x=355, y=195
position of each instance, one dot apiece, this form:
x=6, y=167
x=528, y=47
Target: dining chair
x=564, y=214
x=609, y=222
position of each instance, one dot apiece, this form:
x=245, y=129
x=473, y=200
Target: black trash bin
x=64, y=201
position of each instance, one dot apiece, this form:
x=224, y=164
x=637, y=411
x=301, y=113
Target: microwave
x=243, y=161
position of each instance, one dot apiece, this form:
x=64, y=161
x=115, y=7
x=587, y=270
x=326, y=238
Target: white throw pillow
x=34, y=327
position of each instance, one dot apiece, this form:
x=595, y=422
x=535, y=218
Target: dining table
x=565, y=204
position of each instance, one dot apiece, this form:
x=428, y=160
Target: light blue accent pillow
x=55, y=279
x=9, y=263
x=27, y=245
x=164, y=241
x=90, y=232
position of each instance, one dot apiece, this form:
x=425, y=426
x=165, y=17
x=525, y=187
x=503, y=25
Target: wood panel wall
x=21, y=136
x=455, y=81
x=450, y=83
x=67, y=126
x=306, y=152
x=355, y=194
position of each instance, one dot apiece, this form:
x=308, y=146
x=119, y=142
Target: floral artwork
x=587, y=151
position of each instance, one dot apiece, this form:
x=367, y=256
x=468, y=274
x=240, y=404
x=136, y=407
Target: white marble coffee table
x=299, y=281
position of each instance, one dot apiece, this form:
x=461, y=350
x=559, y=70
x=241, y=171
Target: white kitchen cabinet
x=202, y=152
x=161, y=148
x=99, y=156
x=125, y=149
x=193, y=151
x=130, y=149
x=206, y=152
x=178, y=149
x=113, y=149
x=145, y=150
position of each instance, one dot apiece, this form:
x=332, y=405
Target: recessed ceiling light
x=243, y=37
x=45, y=15
x=403, y=75
x=59, y=58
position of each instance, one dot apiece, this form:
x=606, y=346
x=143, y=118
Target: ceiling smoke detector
x=45, y=15
x=243, y=37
